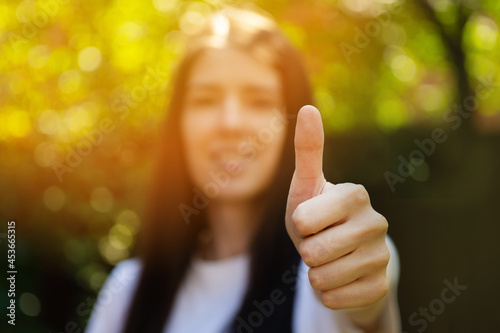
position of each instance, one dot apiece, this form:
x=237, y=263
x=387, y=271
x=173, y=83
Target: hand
x=334, y=228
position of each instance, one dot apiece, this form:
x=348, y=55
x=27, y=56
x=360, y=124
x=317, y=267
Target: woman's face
x=233, y=125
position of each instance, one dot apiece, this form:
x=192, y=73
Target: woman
x=239, y=238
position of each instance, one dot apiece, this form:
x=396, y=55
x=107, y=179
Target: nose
x=231, y=113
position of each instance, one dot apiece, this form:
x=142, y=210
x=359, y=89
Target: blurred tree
x=77, y=126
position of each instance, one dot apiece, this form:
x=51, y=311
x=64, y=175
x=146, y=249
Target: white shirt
x=212, y=292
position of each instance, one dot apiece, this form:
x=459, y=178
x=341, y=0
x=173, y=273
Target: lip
x=225, y=157
x=232, y=166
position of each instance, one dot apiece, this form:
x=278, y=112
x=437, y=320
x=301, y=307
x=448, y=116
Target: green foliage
x=73, y=72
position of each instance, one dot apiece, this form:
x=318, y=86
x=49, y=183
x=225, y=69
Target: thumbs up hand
x=334, y=228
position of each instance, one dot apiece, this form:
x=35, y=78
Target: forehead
x=231, y=68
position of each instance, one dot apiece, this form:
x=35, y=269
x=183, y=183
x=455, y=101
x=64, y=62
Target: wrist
x=370, y=318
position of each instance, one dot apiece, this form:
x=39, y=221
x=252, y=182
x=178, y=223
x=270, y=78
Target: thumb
x=308, y=179
x=309, y=141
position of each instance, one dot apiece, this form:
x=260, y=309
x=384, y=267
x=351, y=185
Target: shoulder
x=115, y=296
x=121, y=282
x=124, y=274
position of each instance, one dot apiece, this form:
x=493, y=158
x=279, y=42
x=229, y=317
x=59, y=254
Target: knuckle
x=321, y=250
x=379, y=286
x=317, y=278
x=314, y=251
x=377, y=260
x=377, y=263
x=382, y=223
x=299, y=219
x=381, y=257
x=375, y=227
x=385, y=257
x=364, y=232
x=382, y=261
x=307, y=253
x=382, y=286
x=359, y=195
x=328, y=299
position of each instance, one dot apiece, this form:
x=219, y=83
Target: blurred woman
x=238, y=237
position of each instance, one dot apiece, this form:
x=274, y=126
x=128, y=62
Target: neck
x=232, y=226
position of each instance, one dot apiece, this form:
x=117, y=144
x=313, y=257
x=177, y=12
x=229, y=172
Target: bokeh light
x=29, y=304
x=101, y=199
x=89, y=58
x=78, y=128
x=54, y=198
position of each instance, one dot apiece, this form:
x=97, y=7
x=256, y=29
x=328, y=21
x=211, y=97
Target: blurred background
x=410, y=96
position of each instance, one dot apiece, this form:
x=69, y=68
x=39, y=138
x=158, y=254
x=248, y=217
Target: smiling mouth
x=230, y=159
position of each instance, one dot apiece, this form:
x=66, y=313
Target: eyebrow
x=250, y=88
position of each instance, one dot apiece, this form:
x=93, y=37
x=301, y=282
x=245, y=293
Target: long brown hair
x=167, y=242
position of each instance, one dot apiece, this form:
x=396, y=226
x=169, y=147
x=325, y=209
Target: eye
x=261, y=103
x=201, y=101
